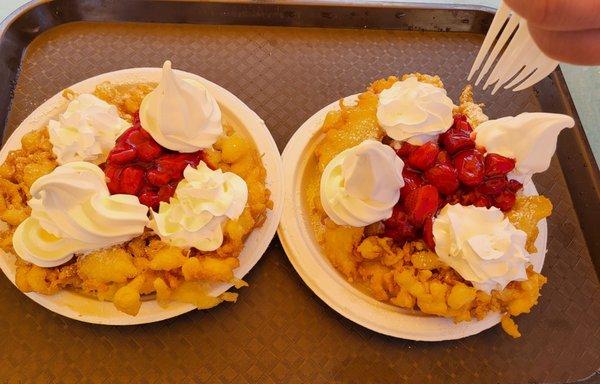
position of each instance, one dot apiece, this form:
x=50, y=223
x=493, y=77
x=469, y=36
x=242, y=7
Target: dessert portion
x=137, y=191
x=419, y=202
x=72, y=212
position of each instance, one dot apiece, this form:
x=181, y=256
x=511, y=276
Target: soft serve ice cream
x=481, y=245
x=86, y=131
x=529, y=138
x=72, y=212
x=203, y=202
x=414, y=111
x=361, y=185
x=180, y=113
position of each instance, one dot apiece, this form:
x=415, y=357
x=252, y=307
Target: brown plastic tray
x=279, y=331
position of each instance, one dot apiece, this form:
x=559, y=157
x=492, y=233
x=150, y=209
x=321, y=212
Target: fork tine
x=530, y=67
x=502, y=15
x=523, y=58
x=539, y=74
x=512, y=24
x=508, y=65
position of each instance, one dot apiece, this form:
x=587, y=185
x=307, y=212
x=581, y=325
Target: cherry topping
x=398, y=227
x=132, y=179
x=424, y=156
x=412, y=180
x=138, y=165
x=496, y=165
x=469, y=164
x=459, y=117
x=458, y=137
x=113, y=176
x=443, y=177
x=167, y=191
x=421, y=204
x=149, y=150
x=428, y=233
x=405, y=150
x=505, y=200
x=462, y=125
x=493, y=186
x=149, y=198
x=514, y=185
x=157, y=177
x=443, y=158
x=451, y=171
x=125, y=156
x=482, y=201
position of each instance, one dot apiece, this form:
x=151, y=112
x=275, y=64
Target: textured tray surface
x=279, y=331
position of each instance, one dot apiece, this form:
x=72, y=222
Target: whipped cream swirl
x=361, y=185
x=73, y=212
x=414, y=111
x=203, y=202
x=86, y=131
x=181, y=114
x=529, y=138
x=481, y=245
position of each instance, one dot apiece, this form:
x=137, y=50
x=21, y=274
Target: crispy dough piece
x=526, y=214
x=469, y=108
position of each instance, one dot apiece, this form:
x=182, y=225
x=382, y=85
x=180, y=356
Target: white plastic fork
x=522, y=61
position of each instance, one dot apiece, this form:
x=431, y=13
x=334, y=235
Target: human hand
x=565, y=30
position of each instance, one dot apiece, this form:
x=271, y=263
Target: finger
x=575, y=47
x=559, y=15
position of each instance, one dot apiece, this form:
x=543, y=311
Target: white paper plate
x=315, y=269
x=237, y=114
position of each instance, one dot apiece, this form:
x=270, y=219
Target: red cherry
x=138, y=136
x=428, y=234
x=150, y=199
x=174, y=164
x=514, y=185
x=412, y=180
x=469, y=165
x=405, y=150
x=113, y=175
x=193, y=158
x=443, y=177
x=421, y=204
x=493, y=186
x=398, y=227
x=132, y=179
x=455, y=140
x=443, y=158
x=452, y=199
x=196, y=157
x=122, y=157
x=468, y=197
x=424, y=156
x=125, y=135
x=496, y=165
x=462, y=126
x=158, y=178
x=136, y=120
x=149, y=150
x=482, y=201
x=167, y=191
x=459, y=117
x=505, y=200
